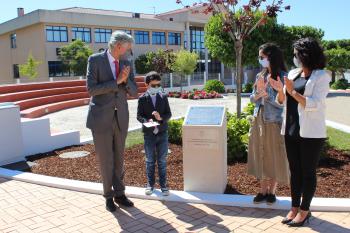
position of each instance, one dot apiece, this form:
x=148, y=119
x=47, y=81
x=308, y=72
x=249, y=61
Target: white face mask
x=154, y=90
x=264, y=62
x=296, y=62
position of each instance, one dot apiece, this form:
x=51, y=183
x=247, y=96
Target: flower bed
x=195, y=95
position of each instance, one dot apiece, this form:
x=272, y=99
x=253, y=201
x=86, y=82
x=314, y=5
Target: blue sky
x=332, y=16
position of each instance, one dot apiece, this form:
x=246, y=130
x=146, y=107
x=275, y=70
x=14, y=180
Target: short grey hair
x=119, y=37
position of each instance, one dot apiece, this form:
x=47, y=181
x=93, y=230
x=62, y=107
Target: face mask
x=264, y=62
x=296, y=62
x=154, y=90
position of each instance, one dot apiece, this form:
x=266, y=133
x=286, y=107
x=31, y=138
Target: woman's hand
x=289, y=85
x=276, y=84
x=260, y=85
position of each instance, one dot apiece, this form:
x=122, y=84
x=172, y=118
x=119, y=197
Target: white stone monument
x=204, y=140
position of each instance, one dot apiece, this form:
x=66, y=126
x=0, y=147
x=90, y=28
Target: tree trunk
x=333, y=76
x=238, y=74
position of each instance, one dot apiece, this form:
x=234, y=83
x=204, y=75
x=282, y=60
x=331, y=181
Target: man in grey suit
x=109, y=79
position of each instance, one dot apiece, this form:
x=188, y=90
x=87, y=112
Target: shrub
x=214, y=85
x=237, y=138
x=141, y=64
x=175, y=131
x=340, y=84
x=248, y=88
x=248, y=110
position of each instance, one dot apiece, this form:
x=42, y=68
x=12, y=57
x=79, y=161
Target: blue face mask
x=154, y=90
x=264, y=62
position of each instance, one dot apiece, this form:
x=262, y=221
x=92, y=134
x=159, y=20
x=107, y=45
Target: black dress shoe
x=259, y=198
x=110, y=206
x=270, y=199
x=124, y=201
x=300, y=224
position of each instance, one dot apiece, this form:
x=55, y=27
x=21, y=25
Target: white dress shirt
x=111, y=63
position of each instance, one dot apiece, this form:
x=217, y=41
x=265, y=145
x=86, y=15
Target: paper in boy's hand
x=150, y=124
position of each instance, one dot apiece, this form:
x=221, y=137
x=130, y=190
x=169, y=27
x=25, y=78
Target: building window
x=102, y=35
x=80, y=33
x=174, y=38
x=158, y=38
x=13, y=41
x=141, y=37
x=15, y=71
x=56, y=69
x=56, y=34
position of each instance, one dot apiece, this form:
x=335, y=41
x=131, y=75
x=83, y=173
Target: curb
x=246, y=201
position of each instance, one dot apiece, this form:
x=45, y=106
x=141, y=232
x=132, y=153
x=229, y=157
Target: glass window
x=102, y=35
x=15, y=71
x=158, y=38
x=83, y=34
x=13, y=40
x=56, y=34
x=141, y=37
x=174, y=38
x=56, y=69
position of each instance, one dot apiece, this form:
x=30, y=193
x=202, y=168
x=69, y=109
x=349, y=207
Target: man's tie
x=116, y=62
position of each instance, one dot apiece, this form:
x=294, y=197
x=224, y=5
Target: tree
x=338, y=60
x=162, y=61
x=74, y=57
x=141, y=64
x=238, y=24
x=185, y=63
x=29, y=69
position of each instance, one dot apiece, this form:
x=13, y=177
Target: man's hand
x=156, y=115
x=123, y=76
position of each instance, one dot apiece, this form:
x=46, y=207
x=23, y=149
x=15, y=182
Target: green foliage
x=185, y=62
x=142, y=65
x=134, y=138
x=338, y=139
x=29, y=69
x=75, y=56
x=340, y=84
x=175, y=131
x=248, y=88
x=336, y=44
x=338, y=59
x=214, y=85
x=221, y=45
x=237, y=137
x=249, y=109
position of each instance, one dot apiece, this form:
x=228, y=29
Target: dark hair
x=276, y=59
x=310, y=53
x=152, y=76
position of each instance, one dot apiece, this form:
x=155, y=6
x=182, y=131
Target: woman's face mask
x=264, y=62
x=296, y=62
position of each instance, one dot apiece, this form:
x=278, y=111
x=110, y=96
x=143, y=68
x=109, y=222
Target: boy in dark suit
x=153, y=106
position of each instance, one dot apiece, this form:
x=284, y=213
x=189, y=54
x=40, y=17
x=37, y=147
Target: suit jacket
x=145, y=108
x=106, y=95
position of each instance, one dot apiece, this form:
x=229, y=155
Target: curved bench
x=38, y=99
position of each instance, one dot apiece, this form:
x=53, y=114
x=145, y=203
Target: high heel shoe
x=299, y=224
x=286, y=220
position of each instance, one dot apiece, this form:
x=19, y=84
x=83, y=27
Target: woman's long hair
x=275, y=56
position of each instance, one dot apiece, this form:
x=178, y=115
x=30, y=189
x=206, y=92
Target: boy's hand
x=156, y=115
x=150, y=120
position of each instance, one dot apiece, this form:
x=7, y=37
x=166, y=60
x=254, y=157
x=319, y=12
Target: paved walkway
x=32, y=208
x=75, y=118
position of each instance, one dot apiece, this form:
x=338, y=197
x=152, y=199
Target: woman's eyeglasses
x=155, y=85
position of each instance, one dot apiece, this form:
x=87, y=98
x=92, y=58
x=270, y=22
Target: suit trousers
x=109, y=147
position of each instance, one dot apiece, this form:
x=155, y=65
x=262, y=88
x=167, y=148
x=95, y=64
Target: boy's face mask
x=154, y=89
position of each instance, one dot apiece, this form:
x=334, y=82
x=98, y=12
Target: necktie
x=116, y=62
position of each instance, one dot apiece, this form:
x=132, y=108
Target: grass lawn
x=134, y=138
x=338, y=139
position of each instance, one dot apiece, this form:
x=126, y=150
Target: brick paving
x=28, y=207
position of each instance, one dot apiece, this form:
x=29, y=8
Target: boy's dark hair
x=152, y=76
x=310, y=53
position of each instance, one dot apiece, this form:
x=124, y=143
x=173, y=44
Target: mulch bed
x=332, y=175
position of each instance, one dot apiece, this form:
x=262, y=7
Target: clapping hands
x=260, y=88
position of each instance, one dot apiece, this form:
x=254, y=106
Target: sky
x=332, y=16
